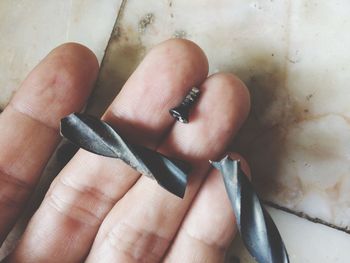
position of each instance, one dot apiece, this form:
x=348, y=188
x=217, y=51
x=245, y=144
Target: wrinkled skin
x=98, y=209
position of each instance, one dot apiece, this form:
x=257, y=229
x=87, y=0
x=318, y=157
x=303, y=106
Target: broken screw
x=181, y=112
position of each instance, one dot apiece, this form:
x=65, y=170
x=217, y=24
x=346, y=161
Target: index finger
x=29, y=133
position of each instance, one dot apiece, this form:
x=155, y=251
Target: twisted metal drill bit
x=96, y=136
x=258, y=231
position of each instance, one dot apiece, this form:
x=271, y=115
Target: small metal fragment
x=259, y=233
x=181, y=112
x=96, y=136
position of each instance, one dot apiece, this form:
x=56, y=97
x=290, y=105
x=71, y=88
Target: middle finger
x=143, y=223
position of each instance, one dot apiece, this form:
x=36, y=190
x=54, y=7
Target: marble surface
x=295, y=63
x=307, y=242
x=31, y=29
x=291, y=54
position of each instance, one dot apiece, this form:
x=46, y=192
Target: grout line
x=305, y=216
x=120, y=12
x=119, y=15
x=103, y=61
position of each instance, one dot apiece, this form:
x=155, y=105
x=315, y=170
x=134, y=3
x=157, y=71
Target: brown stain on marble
x=334, y=191
x=262, y=140
x=145, y=21
x=170, y=8
x=125, y=51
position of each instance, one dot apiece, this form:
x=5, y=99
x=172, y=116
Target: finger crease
x=12, y=180
x=140, y=245
x=32, y=116
x=73, y=211
x=213, y=245
x=13, y=189
x=94, y=192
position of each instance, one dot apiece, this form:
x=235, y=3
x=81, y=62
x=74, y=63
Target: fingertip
x=58, y=85
x=78, y=57
x=180, y=50
x=74, y=66
x=231, y=86
x=76, y=48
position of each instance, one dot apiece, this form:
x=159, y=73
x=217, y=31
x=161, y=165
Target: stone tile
x=30, y=29
x=295, y=63
x=307, y=242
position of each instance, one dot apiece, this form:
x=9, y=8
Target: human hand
x=99, y=209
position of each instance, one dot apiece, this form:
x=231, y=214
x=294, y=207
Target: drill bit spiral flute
x=96, y=136
x=258, y=231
